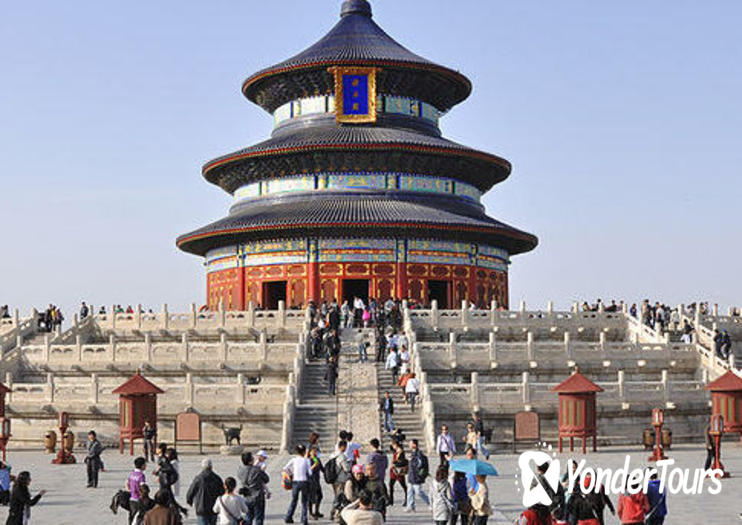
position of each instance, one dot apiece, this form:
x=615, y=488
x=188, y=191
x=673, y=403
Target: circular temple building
x=356, y=193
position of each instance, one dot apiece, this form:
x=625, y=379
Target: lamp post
x=716, y=431
x=65, y=456
x=658, y=419
x=4, y=434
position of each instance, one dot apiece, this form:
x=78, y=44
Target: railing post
x=621, y=384
x=138, y=317
x=452, y=349
x=165, y=321
x=523, y=306
x=666, y=385
x=184, y=346
x=493, y=312
x=112, y=346
x=731, y=362
x=148, y=346
x=222, y=315
x=263, y=341
x=550, y=308
x=112, y=313
x=47, y=347
x=526, y=387
x=251, y=314
x=575, y=307
x=492, y=349
x=50, y=386
x=601, y=307
x=474, y=393
x=9, y=384
x=715, y=310
x=223, y=346
x=434, y=314
x=601, y=339
x=78, y=347
x=281, y=320
x=194, y=316
x=188, y=390
x=94, y=388
x=240, y=398
x=464, y=312
x=529, y=346
x=567, y=346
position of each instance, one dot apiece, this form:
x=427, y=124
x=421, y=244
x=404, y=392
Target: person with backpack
x=657, y=502
x=252, y=480
x=205, y=488
x=632, y=508
x=230, y=507
x=337, y=474
x=419, y=472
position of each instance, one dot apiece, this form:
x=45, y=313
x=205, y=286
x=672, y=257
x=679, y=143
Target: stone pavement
x=68, y=502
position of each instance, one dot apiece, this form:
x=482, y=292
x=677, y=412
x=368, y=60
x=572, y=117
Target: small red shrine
x=137, y=404
x=577, y=410
x=726, y=400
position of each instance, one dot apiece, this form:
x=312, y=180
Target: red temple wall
x=236, y=287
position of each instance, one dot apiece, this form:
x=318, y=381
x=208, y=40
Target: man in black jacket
x=92, y=459
x=203, y=493
x=252, y=480
x=386, y=407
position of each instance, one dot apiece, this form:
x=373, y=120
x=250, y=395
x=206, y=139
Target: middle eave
x=356, y=148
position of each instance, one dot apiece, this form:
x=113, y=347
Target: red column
x=313, y=291
x=241, y=294
x=401, y=288
x=472, y=295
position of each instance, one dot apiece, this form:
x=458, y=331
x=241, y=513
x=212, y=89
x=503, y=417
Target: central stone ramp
x=317, y=411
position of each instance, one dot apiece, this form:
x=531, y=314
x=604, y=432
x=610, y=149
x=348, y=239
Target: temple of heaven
x=356, y=193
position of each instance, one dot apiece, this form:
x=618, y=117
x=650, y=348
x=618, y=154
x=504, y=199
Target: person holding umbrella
x=479, y=498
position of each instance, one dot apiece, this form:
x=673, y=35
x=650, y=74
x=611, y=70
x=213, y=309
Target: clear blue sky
x=622, y=120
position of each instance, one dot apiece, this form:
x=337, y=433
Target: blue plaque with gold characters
x=355, y=94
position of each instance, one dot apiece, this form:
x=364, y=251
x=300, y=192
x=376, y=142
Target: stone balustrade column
x=50, y=387
x=9, y=384
x=681, y=313
x=281, y=316
x=523, y=306
x=666, y=387
x=223, y=346
x=715, y=309
x=550, y=308
x=705, y=376
x=529, y=346
x=94, y=388
x=732, y=366
x=567, y=346
x=666, y=338
x=165, y=321
x=601, y=307
x=601, y=340
x=112, y=313
x=493, y=312
x=148, y=346
x=240, y=398
x=193, y=315
x=251, y=314
x=184, y=346
x=78, y=347
x=222, y=314
x=434, y=314
x=112, y=346
x=17, y=319
x=464, y=313
x=474, y=393
x=75, y=324
x=263, y=342
x=452, y=349
x=575, y=307
x=188, y=390
x=492, y=349
x=47, y=347
x=526, y=388
x=138, y=317
x=621, y=386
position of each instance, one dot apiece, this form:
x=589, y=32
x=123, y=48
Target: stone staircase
x=409, y=422
x=317, y=411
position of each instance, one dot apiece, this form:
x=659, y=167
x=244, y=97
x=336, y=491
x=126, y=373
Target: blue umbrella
x=472, y=466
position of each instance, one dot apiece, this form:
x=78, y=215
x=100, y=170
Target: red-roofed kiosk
x=137, y=404
x=726, y=400
x=577, y=410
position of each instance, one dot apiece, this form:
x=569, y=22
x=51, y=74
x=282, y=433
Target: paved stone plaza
x=67, y=499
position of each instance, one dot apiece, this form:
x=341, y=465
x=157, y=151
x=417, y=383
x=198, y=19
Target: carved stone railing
x=201, y=321
x=15, y=328
x=527, y=395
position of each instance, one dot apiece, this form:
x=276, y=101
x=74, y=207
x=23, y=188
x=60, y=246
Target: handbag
x=235, y=519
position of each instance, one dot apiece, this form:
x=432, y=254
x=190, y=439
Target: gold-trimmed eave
x=380, y=146
x=531, y=239
x=457, y=77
